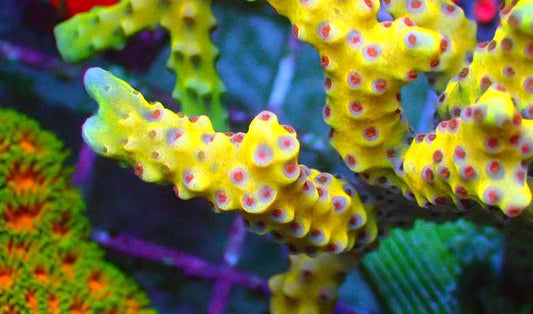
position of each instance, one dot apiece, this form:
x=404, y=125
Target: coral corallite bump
x=47, y=264
x=255, y=173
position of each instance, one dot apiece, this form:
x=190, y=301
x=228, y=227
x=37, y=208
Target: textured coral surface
x=480, y=154
x=47, y=264
x=192, y=58
x=366, y=65
x=256, y=173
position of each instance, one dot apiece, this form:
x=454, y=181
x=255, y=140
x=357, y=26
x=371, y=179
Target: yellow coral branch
x=366, y=63
x=311, y=284
x=255, y=173
x=446, y=18
x=481, y=156
x=189, y=23
x=505, y=61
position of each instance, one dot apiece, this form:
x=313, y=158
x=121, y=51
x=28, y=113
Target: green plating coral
x=189, y=22
x=47, y=264
x=418, y=271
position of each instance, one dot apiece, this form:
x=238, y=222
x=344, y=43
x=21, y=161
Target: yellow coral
x=480, y=156
x=256, y=173
x=365, y=63
x=448, y=20
x=310, y=285
x=189, y=23
x=506, y=61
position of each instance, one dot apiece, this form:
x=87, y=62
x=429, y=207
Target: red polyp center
x=513, y=211
x=461, y=192
x=381, y=84
x=267, y=193
x=327, y=111
x=355, y=79
x=325, y=31
x=492, y=143
x=156, y=114
x=412, y=75
x=290, y=168
x=350, y=159
x=450, y=8
x=324, y=61
x=356, y=106
x=372, y=51
x=238, y=176
x=443, y=45
x=415, y=4
x=494, y=167
x=264, y=116
x=444, y=173
x=222, y=197
x=327, y=83
x=370, y=132
x=249, y=201
x=493, y=196
x=437, y=156
x=469, y=172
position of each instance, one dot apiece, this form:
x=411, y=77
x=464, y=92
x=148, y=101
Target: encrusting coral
x=189, y=22
x=479, y=155
x=47, y=264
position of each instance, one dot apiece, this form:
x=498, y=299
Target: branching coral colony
x=478, y=155
x=47, y=264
